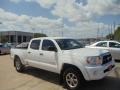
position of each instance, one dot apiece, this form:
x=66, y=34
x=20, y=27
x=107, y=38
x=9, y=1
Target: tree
x=110, y=36
x=36, y=35
x=117, y=34
x=3, y=39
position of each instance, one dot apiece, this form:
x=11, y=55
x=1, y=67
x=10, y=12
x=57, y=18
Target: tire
x=73, y=79
x=18, y=65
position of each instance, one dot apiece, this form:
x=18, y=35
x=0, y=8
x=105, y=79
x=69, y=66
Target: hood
x=85, y=52
x=89, y=51
x=79, y=55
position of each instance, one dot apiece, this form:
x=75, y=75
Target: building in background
x=15, y=36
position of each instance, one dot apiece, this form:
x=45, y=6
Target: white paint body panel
x=53, y=61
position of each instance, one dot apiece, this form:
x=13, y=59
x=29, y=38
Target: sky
x=73, y=18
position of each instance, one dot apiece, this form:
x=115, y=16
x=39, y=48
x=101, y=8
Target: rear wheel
x=73, y=79
x=18, y=65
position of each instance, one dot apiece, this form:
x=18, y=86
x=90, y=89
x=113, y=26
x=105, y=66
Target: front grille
x=106, y=59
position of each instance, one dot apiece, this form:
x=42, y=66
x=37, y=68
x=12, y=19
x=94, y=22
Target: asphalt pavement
x=37, y=79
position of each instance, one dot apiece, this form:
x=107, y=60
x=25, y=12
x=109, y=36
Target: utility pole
x=33, y=31
x=111, y=31
x=0, y=34
x=0, y=37
x=62, y=32
x=114, y=25
x=98, y=32
x=62, y=27
x=16, y=37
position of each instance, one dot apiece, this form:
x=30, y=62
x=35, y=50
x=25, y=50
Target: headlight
x=94, y=60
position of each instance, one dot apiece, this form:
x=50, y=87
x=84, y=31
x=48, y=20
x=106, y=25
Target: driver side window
x=102, y=44
x=35, y=44
x=114, y=45
x=46, y=44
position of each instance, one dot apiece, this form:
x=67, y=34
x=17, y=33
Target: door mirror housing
x=52, y=49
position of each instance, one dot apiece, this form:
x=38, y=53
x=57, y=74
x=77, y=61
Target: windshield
x=67, y=44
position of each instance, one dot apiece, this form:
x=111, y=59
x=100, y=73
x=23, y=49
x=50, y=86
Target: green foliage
x=3, y=39
x=117, y=34
x=36, y=35
x=110, y=36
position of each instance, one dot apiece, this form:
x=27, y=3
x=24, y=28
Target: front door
x=49, y=57
x=115, y=50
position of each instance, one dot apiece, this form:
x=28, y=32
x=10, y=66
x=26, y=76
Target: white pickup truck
x=65, y=56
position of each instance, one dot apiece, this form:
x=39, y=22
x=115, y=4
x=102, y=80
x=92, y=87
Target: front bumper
x=99, y=72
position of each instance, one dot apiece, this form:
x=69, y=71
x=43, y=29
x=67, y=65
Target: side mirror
x=52, y=49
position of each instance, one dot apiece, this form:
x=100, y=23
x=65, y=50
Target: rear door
x=115, y=49
x=33, y=56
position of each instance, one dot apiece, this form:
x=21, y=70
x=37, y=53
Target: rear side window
x=102, y=44
x=114, y=45
x=46, y=44
x=35, y=44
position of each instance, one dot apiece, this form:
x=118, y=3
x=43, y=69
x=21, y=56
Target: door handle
x=29, y=52
x=41, y=54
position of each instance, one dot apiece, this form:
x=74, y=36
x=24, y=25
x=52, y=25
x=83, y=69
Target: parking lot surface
x=36, y=79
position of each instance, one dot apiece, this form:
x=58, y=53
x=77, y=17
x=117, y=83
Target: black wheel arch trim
x=66, y=66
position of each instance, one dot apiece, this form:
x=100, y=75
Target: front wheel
x=18, y=65
x=73, y=79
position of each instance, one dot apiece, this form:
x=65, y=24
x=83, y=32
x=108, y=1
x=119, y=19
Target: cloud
x=45, y=23
x=78, y=12
x=71, y=10
x=11, y=21
x=7, y=16
x=81, y=15
x=52, y=27
x=92, y=28
x=42, y=3
x=103, y=7
x=15, y=1
x=86, y=30
x=46, y=3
